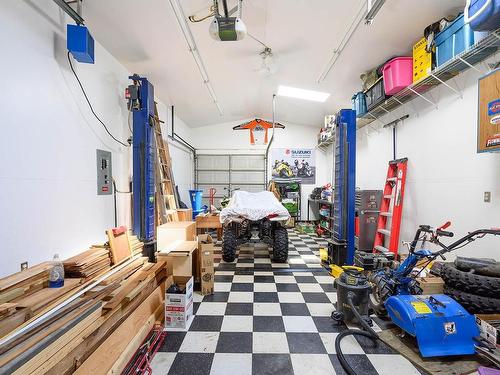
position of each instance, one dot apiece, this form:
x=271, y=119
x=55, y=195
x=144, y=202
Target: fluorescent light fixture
x=293, y=92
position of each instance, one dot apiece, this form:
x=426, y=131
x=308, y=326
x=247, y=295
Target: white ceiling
x=146, y=38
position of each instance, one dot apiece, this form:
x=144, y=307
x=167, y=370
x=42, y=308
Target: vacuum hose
x=370, y=333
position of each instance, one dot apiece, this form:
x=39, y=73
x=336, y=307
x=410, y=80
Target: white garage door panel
x=219, y=162
x=250, y=188
x=244, y=172
x=212, y=177
x=247, y=162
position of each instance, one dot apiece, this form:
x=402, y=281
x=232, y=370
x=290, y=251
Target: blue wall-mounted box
x=80, y=43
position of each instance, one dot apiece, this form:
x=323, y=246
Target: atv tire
x=486, y=286
x=474, y=304
x=280, y=245
x=229, y=245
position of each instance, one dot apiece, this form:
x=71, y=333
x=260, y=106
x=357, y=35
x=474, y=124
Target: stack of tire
x=477, y=293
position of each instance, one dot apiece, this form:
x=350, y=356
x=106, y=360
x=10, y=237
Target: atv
x=254, y=216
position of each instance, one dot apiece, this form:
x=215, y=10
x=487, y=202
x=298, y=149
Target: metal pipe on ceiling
x=345, y=39
x=70, y=11
x=193, y=49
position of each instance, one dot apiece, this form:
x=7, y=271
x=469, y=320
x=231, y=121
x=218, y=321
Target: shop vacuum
x=353, y=294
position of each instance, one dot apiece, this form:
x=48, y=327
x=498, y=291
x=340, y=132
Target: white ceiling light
x=293, y=92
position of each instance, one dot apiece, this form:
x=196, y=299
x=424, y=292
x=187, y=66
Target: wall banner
x=294, y=163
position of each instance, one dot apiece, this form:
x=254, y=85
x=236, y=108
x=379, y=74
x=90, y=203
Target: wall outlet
x=24, y=266
x=487, y=196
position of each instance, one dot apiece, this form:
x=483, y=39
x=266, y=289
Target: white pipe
x=336, y=52
x=193, y=48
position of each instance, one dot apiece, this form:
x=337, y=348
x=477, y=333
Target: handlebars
x=439, y=232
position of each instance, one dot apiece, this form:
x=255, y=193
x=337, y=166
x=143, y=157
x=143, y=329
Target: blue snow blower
x=441, y=326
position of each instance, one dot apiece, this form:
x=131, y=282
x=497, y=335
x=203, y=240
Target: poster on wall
x=488, y=129
x=294, y=163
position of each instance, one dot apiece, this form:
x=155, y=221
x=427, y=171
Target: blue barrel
x=196, y=197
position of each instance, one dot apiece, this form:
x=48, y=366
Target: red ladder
x=393, y=198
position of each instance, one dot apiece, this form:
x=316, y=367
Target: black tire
x=229, y=245
x=472, y=303
x=280, y=245
x=470, y=282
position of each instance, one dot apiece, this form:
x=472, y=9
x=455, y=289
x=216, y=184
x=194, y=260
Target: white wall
x=221, y=138
x=48, y=199
x=446, y=177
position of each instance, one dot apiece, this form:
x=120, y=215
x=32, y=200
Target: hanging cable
x=90, y=105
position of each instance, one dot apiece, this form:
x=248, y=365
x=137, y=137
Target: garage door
x=222, y=172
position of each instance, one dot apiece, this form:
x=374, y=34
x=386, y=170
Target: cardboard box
x=179, y=307
x=206, y=263
x=431, y=284
x=185, y=214
x=168, y=233
x=179, y=257
x=489, y=331
x=208, y=222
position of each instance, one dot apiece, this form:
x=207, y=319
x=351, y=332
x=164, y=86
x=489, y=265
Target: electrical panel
x=104, y=175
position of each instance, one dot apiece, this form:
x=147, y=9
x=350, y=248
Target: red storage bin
x=398, y=74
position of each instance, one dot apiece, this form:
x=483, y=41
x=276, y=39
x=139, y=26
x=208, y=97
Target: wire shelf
x=463, y=61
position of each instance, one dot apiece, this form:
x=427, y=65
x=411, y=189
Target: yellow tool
x=335, y=270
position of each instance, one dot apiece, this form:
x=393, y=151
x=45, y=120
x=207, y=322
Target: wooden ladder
x=166, y=200
x=391, y=207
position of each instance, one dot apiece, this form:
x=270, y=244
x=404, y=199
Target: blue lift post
x=341, y=248
x=143, y=181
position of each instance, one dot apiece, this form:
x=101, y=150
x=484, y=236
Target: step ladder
x=391, y=208
x=165, y=197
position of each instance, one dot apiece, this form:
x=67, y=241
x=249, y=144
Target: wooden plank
x=132, y=286
x=110, y=321
x=119, y=246
x=407, y=347
x=25, y=342
x=37, y=300
x=7, y=309
x=11, y=294
x=136, y=342
x=103, y=359
x=13, y=321
x=73, y=330
x=125, y=272
x=26, y=277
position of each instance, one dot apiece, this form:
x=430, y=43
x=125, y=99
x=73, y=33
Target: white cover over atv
x=253, y=206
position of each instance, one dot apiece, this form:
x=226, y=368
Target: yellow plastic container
x=422, y=60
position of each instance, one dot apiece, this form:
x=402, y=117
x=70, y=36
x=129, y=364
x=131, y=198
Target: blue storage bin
x=456, y=38
x=482, y=15
x=359, y=103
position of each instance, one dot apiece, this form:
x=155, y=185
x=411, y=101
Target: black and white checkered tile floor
x=270, y=318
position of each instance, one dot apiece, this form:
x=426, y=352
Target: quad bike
x=391, y=282
x=282, y=169
x=254, y=216
x=268, y=230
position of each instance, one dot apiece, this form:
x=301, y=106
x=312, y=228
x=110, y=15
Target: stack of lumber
x=94, y=331
x=26, y=293
x=136, y=246
x=88, y=264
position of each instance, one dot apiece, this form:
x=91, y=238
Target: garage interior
x=250, y=187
